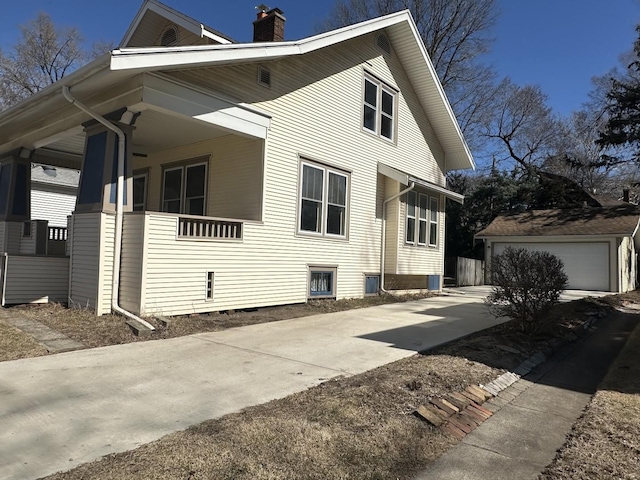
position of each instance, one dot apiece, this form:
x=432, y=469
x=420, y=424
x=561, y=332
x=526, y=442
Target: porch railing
x=57, y=233
x=207, y=228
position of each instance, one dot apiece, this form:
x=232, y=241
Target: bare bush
x=526, y=285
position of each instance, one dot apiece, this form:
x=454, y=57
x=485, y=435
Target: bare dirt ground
x=359, y=427
x=15, y=344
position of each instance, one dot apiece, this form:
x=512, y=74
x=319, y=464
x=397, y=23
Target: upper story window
x=422, y=220
x=379, y=114
x=184, y=189
x=324, y=194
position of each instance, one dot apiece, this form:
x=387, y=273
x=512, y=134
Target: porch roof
x=406, y=179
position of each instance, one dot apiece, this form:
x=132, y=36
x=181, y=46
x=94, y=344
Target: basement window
x=322, y=282
x=371, y=284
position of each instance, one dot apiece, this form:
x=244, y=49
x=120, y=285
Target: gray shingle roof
x=615, y=220
x=64, y=177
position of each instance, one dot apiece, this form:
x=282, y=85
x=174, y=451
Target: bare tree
x=44, y=55
x=522, y=125
x=455, y=34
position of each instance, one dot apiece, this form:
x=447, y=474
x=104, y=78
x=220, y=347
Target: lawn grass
x=15, y=344
x=605, y=442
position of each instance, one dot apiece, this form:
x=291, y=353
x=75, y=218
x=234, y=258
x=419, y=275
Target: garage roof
x=616, y=220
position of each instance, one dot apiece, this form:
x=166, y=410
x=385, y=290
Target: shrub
x=526, y=285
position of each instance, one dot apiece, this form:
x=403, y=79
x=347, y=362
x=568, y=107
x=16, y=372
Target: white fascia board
x=193, y=56
x=169, y=97
x=392, y=173
x=171, y=15
x=217, y=38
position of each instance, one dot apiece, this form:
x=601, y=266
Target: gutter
x=117, y=254
x=384, y=231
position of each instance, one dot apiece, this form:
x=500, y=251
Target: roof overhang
x=399, y=26
x=407, y=179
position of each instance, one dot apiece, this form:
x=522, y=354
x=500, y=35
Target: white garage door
x=586, y=264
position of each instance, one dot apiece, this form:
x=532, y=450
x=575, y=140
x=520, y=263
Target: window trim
x=141, y=174
x=326, y=171
x=184, y=165
x=381, y=86
x=428, y=221
x=209, y=291
x=334, y=281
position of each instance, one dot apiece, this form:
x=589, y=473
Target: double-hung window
x=184, y=189
x=379, y=110
x=323, y=200
x=422, y=220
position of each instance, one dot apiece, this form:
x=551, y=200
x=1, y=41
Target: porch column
x=99, y=175
x=15, y=187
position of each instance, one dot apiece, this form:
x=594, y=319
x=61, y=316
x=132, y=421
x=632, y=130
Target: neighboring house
x=252, y=174
x=597, y=245
x=53, y=193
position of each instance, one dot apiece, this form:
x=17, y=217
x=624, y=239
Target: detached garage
x=597, y=245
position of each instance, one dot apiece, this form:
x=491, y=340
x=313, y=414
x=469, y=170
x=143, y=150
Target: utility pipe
x=384, y=231
x=117, y=253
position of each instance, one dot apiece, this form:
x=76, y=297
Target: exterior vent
x=383, y=43
x=169, y=37
x=264, y=76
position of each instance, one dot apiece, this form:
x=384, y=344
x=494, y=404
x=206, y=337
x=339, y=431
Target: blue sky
x=558, y=44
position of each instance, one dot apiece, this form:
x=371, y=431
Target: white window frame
x=433, y=242
x=334, y=281
x=381, y=88
x=209, y=294
x=430, y=217
x=183, y=190
x=144, y=175
x=324, y=217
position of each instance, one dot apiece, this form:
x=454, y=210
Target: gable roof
x=399, y=27
x=127, y=62
x=176, y=17
x=617, y=220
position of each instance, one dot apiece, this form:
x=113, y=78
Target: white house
x=218, y=175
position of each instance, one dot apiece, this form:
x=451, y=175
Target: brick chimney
x=269, y=27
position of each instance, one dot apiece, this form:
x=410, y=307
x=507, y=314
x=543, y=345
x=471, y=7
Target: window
x=371, y=284
x=433, y=223
x=379, y=108
x=184, y=189
x=423, y=210
x=209, y=294
x=26, y=229
x=323, y=201
x=140, y=192
x=322, y=282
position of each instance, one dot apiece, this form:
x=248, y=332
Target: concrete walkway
x=63, y=410
x=537, y=412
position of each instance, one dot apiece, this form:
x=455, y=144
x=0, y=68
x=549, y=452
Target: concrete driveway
x=63, y=410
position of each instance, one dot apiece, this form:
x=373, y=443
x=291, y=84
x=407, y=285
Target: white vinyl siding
x=39, y=279
x=85, y=266
x=54, y=206
x=132, y=261
x=270, y=265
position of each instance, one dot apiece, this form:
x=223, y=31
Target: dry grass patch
x=605, y=442
x=15, y=344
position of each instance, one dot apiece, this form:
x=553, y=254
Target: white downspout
x=384, y=231
x=115, y=285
